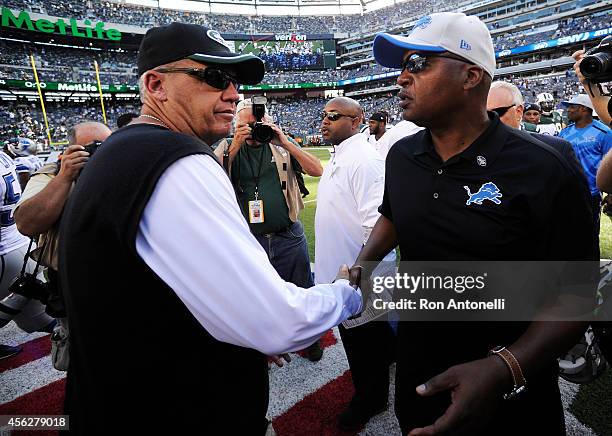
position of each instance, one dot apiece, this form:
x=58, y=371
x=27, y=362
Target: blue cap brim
x=389, y=49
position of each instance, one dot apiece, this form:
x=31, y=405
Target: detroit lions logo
x=488, y=191
x=422, y=23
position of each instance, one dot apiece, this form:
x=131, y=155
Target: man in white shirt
x=153, y=240
x=348, y=197
x=392, y=135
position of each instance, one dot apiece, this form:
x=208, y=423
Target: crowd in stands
x=141, y=16
x=25, y=118
x=300, y=117
x=566, y=27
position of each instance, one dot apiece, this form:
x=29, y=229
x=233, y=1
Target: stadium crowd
x=565, y=27
x=298, y=116
x=141, y=16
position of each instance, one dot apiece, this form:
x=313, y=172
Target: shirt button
x=435, y=195
x=440, y=171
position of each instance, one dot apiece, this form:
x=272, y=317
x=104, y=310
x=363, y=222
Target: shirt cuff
x=353, y=304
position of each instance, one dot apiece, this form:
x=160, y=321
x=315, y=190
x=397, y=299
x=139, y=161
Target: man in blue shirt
x=591, y=140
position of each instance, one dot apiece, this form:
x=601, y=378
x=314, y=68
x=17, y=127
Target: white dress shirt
x=391, y=136
x=348, y=196
x=194, y=237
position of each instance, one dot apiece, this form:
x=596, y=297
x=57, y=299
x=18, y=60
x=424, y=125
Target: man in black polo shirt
x=445, y=382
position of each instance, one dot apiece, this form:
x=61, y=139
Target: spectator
x=591, y=140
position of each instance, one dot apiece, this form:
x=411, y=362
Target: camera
x=92, y=147
x=259, y=131
x=22, y=290
x=597, y=63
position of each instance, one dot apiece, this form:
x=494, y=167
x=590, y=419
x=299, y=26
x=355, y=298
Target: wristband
x=520, y=384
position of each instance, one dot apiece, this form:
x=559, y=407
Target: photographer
x=601, y=103
x=40, y=207
x=261, y=162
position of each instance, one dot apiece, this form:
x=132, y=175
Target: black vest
x=139, y=359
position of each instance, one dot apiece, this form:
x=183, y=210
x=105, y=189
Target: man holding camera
x=264, y=166
x=598, y=74
x=40, y=207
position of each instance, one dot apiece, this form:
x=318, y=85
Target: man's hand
x=343, y=273
x=73, y=161
x=279, y=136
x=355, y=276
x=242, y=133
x=476, y=390
x=578, y=55
x=278, y=360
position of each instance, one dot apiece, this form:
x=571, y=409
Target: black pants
x=370, y=350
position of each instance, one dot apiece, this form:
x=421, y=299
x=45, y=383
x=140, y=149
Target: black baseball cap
x=379, y=116
x=176, y=41
x=533, y=107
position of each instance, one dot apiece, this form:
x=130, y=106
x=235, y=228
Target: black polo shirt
x=508, y=196
x=543, y=209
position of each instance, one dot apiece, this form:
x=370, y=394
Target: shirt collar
x=484, y=149
x=340, y=148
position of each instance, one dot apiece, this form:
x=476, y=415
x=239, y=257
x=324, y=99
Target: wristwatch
x=520, y=384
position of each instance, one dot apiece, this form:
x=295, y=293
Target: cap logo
x=465, y=45
x=216, y=36
x=422, y=23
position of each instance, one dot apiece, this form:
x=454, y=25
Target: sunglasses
x=333, y=116
x=212, y=76
x=501, y=111
x=415, y=63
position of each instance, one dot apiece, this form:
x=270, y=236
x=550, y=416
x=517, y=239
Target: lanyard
x=255, y=178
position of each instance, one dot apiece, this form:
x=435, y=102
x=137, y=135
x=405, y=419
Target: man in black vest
x=173, y=304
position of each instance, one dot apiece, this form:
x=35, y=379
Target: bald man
x=46, y=193
x=348, y=197
x=507, y=101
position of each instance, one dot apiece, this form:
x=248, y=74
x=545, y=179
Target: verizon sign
x=290, y=37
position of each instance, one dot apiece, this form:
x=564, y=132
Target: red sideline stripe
x=48, y=400
x=32, y=350
x=318, y=412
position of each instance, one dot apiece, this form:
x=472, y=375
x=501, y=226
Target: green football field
x=593, y=403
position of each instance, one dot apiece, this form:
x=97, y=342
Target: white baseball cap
x=457, y=33
x=581, y=99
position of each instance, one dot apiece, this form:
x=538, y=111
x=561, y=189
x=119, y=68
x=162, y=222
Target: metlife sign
x=24, y=21
x=564, y=40
x=65, y=86
x=289, y=86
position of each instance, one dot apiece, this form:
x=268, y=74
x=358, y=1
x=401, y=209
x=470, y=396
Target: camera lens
x=596, y=65
x=262, y=133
